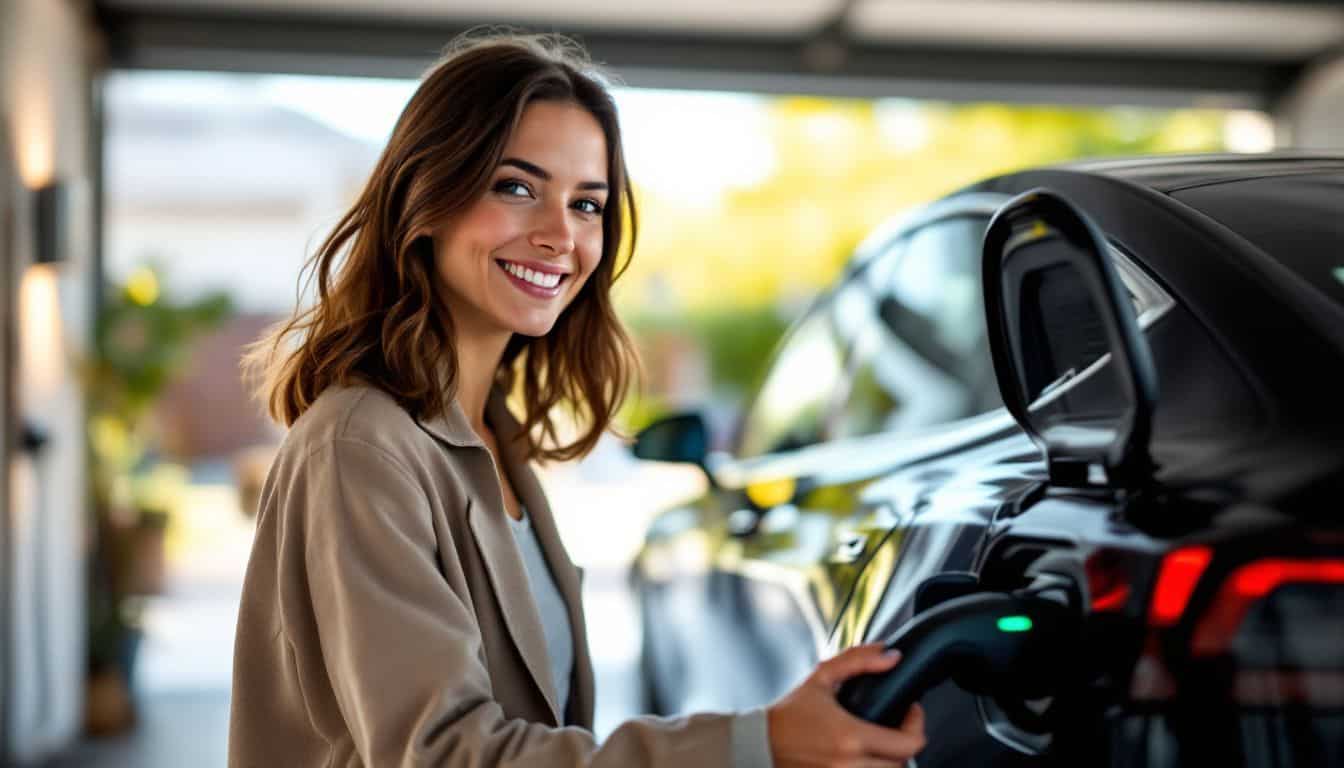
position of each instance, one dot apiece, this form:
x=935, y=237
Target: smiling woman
x=493, y=159
x=408, y=600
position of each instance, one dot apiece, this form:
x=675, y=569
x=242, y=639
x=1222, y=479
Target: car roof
x=1189, y=220
x=1286, y=204
x=1168, y=173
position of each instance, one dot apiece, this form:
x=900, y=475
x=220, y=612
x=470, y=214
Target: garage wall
x=8, y=184
x=1312, y=116
x=46, y=56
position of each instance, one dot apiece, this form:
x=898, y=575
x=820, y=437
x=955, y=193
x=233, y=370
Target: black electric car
x=1073, y=438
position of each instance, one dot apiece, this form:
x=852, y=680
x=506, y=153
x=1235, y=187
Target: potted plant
x=142, y=341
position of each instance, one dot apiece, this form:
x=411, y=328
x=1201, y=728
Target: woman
x=408, y=600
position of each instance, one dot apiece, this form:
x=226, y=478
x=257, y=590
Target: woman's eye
x=589, y=206
x=513, y=188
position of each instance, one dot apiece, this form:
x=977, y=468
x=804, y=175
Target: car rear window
x=1296, y=220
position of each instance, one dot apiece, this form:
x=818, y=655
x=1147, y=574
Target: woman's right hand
x=808, y=727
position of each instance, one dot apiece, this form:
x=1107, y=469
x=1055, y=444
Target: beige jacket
x=387, y=619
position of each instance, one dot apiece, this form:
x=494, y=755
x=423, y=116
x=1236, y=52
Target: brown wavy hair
x=380, y=316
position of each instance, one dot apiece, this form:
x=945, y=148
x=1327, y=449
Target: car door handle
x=850, y=548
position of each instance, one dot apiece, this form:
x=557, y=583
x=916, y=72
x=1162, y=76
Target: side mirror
x=1072, y=366
x=683, y=437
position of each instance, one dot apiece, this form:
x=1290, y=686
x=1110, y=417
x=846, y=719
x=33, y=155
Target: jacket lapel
x=499, y=551
x=533, y=497
x=508, y=577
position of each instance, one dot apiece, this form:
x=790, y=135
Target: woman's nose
x=553, y=230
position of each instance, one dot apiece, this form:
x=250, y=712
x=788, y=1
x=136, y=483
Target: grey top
x=551, y=606
x=750, y=737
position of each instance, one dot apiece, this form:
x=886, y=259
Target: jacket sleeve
x=386, y=637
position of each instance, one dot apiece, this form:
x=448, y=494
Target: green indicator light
x=1014, y=624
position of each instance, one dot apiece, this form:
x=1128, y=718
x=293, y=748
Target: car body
x=876, y=458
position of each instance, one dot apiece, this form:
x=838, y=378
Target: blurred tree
x=844, y=166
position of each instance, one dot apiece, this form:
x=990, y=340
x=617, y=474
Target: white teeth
x=540, y=279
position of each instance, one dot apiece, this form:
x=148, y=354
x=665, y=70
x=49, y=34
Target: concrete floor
x=176, y=728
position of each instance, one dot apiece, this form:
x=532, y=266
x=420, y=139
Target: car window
x=791, y=406
x=899, y=345
x=920, y=355
x=1069, y=344
x=1073, y=343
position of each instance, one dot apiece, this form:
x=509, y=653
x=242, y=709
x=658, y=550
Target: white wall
x=1313, y=115
x=45, y=64
x=8, y=187
x=226, y=189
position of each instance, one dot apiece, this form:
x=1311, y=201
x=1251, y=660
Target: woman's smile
x=533, y=280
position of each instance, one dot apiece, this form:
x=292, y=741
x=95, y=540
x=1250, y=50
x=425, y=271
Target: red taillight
x=1108, y=579
x=1113, y=599
x=1258, y=579
x=1249, y=584
x=1176, y=581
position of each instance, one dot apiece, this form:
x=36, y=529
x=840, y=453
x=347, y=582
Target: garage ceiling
x=1223, y=52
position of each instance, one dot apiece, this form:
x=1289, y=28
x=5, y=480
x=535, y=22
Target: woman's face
x=514, y=259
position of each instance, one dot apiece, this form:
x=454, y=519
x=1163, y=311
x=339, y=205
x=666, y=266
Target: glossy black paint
x=1248, y=443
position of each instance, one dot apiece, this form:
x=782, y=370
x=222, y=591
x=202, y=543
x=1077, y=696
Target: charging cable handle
x=987, y=642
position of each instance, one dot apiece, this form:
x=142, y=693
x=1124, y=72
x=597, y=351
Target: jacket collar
x=453, y=427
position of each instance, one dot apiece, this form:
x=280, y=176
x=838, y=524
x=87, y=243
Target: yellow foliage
x=844, y=166
x=143, y=287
